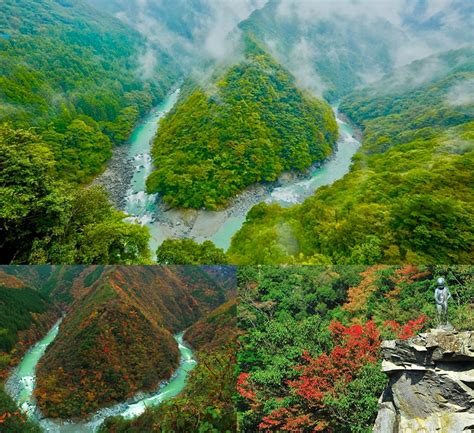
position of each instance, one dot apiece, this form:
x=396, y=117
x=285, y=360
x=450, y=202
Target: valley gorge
x=236, y=216
x=119, y=347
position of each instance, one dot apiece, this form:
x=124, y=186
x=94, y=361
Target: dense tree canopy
x=43, y=220
x=309, y=357
x=409, y=194
x=189, y=252
x=71, y=72
x=250, y=127
x=207, y=403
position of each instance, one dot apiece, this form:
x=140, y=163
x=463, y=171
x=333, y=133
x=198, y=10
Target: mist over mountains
x=330, y=46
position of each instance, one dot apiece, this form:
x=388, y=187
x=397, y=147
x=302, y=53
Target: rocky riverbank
x=117, y=176
x=201, y=224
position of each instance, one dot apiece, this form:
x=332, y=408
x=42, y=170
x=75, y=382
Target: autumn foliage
x=408, y=330
x=358, y=295
x=324, y=379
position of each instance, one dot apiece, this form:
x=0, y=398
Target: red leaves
x=408, y=330
x=355, y=346
x=244, y=388
x=326, y=375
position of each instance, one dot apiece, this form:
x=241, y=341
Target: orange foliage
x=358, y=296
x=405, y=275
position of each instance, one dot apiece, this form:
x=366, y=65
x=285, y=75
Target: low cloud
x=410, y=29
x=461, y=94
x=304, y=55
x=204, y=29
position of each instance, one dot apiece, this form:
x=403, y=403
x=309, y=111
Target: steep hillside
x=207, y=402
x=194, y=32
x=22, y=312
x=214, y=330
x=74, y=74
x=298, y=40
x=62, y=284
x=409, y=194
x=117, y=339
x=73, y=82
x=31, y=300
x=253, y=125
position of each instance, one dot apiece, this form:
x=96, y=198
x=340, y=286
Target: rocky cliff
x=431, y=384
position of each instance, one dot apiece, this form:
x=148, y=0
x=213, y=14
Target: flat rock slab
x=431, y=384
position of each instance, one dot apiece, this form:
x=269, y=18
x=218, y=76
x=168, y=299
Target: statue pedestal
x=446, y=327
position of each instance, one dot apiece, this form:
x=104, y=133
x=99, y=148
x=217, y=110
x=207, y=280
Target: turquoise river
x=21, y=384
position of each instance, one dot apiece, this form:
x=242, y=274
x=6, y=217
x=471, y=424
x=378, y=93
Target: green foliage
x=44, y=221
x=409, y=194
x=353, y=410
x=284, y=311
x=251, y=127
x=16, y=308
x=188, y=252
x=12, y=420
x=307, y=44
x=70, y=71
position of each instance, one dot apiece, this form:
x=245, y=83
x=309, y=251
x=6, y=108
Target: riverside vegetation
x=207, y=403
x=68, y=93
x=409, y=194
x=252, y=127
x=407, y=198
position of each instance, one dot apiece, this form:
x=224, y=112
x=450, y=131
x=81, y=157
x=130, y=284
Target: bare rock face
x=431, y=386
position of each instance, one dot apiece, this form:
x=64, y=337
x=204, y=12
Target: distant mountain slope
x=74, y=73
x=333, y=47
x=409, y=194
x=194, y=32
x=117, y=339
x=62, y=284
x=253, y=125
x=26, y=315
x=216, y=330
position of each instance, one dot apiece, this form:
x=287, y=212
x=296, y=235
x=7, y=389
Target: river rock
x=431, y=384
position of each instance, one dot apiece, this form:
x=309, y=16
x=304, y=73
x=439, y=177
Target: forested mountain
x=31, y=300
x=253, y=125
x=62, y=284
x=409, y=194
x=118, y=338
x=72, y=84
x=333, y=47
x=117, y=335
x=207, y=402
x=216, y=329
x=73, y=73
x=196, y=33
x=310, y=349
